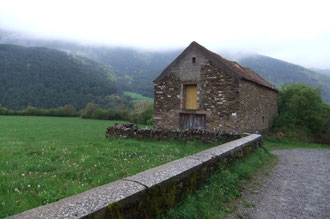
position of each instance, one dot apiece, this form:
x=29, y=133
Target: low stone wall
x=132, y=131
x=148, y=193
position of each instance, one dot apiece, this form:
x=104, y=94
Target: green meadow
x=136, y=98
x=44, y=159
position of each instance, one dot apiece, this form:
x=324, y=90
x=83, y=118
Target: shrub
x=67, y=110
x=3, y=110
x=100, y=114
x=89, y=110
x=142, y=113
x=302, y=112
x=31, y=111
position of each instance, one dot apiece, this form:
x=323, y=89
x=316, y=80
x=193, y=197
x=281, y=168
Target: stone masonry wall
x=169, y=92
x=217, y=95
x=230, y=105
x=167, y=102
x=132, y=131
x=258, y=105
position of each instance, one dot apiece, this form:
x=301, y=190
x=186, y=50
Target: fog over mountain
x=297, y=31
x=322, y=71
x=135, y=69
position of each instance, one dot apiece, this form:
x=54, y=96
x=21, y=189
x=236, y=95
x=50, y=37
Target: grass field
x=138, y=97
x=273, y=143
x=44, y=159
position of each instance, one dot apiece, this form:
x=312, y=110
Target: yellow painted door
x=191, y=97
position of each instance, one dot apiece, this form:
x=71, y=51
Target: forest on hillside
x=46, y=78
x=115, y=69
x=279, y=73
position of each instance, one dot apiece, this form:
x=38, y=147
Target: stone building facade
x=200, y=89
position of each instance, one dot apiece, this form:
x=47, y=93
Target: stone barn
x=200, y=89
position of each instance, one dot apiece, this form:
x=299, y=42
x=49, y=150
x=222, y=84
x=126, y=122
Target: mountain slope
x=279, y=72
x=322, y=71
x=48, y=78
x=135, y=70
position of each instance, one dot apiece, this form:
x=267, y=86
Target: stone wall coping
x=169, y=170
x=85, y=203
x=90, y=203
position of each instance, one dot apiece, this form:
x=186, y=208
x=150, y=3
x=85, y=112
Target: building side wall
x=167, y=103
x=258, y=105
x=219, y=97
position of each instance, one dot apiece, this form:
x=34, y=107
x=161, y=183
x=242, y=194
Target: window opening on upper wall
x=193, y=59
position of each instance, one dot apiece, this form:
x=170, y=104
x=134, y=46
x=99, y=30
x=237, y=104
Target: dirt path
x=298, y=187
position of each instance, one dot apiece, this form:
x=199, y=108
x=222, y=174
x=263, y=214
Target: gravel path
x=298, y=187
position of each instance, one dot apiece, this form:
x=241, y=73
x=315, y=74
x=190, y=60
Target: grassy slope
x=138, y=97
x=277, y=143
x=44, y=159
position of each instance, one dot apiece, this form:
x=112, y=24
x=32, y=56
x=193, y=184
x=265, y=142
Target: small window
x=193, y=59
x=263, y=119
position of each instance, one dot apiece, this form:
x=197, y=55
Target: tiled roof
x=233, y=68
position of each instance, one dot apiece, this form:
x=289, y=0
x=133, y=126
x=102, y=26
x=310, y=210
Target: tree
x=89, y=110
x=301, y=108
x=302, y=104
x=68, y=110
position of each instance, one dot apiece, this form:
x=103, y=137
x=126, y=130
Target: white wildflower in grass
x=38, y=186
x=16, y=190
x=23, y=174
x=29, y=186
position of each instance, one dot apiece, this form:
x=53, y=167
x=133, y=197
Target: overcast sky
x=297, y=31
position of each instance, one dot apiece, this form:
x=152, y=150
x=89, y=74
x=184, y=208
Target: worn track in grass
x=298, y=187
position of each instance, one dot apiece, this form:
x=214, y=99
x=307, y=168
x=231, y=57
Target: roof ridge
x=235, y=69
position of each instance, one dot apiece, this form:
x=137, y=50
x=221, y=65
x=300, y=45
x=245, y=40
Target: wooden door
x=191, y=97
x=192, y=121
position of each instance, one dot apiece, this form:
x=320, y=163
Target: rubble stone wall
x=217, y=97
x=258, y=106
x=132, y=131
x=229, y=104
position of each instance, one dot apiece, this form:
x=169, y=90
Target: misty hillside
x=47, y=78
x=140, y=68
x=279, y=72
x=322, y=71
x=135, y=70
